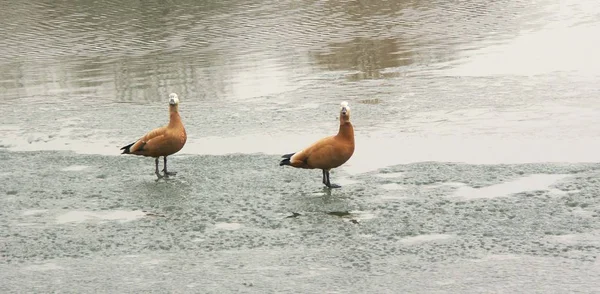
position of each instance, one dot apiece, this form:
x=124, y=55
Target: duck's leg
x=156, y=170
x=165, y=168
x=324, y=178
x=328, y=183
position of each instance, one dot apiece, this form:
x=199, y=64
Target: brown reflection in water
x=137, y=79
x=367, y=56
x=128, y=52
x=369, y=8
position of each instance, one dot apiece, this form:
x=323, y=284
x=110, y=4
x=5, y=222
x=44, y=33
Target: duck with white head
x=163, y=141
x=327, y=153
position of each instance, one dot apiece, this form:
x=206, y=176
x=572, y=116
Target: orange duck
x=327, y=153
x=162, y=141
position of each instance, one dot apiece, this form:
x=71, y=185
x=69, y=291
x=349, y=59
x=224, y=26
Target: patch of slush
x=390, y=175
x=392, y=197
x=362, y=215
x=342, y=181
x=393, y=186
x=497, y=257
x=153, y=261
x=228, y=226
x=529, y=183
x=317, y=194
x=75, y=168
x=27, y=224
x=115, y=215
x=43, y=267
x=582, y=212
x=34, y=212
x=425, y=238
x=590, y=238
x=446, y=184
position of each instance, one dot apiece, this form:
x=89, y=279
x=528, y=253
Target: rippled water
x=474, y=81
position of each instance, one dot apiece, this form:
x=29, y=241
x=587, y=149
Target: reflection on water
x=138, y=51
x=267, y=76
x=366, y=57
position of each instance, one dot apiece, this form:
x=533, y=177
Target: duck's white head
x=344, y=108
x=173, y=99
x=344, y=112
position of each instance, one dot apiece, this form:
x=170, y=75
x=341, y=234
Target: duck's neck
x=346, y=130
x=175, y=119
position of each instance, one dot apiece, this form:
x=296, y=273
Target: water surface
x=470, y=81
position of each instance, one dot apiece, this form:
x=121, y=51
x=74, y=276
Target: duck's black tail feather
x=126, y=148
x=286, y=159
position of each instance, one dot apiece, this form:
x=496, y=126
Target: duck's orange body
x=163, y=141
x=329, y=152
